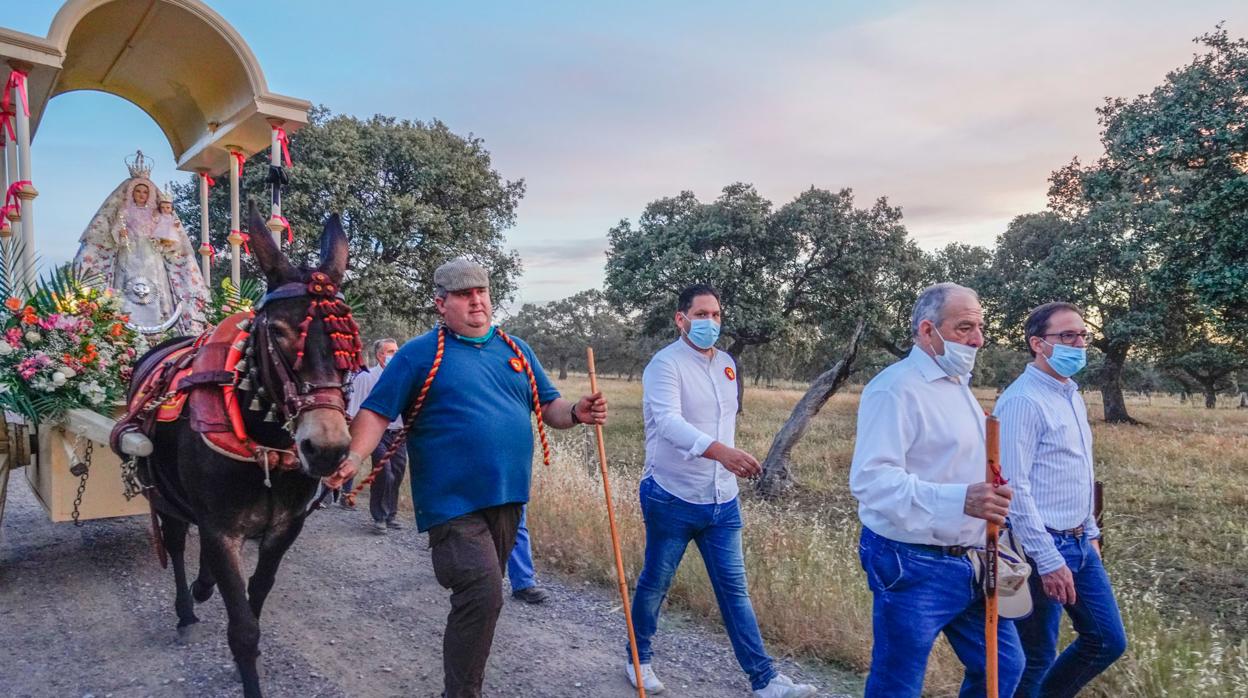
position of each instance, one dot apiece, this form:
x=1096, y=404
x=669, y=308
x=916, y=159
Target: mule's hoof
x=201, y=592
x=190, y=634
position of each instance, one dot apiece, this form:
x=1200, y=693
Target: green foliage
x=411, y=194
x=816, y=263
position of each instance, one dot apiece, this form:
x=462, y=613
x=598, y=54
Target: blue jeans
x=671, y=523
x=1101, y=637
x=520, y=563
x=919, y=594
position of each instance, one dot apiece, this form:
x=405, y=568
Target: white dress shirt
x=920, y=444
x=362, y=384
x=689, y=401
x=1046, y=454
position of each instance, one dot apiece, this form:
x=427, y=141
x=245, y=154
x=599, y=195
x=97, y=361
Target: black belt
x=1076, y=532
x=947, y=550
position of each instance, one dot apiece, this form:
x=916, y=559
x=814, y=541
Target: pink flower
x=13, y=336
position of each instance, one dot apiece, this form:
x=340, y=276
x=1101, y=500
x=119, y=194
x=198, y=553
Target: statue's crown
x=139, y=165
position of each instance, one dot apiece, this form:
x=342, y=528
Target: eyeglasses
x=1068, y=338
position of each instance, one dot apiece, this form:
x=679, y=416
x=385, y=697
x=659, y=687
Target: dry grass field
x=1176, y=531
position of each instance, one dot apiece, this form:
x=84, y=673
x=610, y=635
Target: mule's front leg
x=173, y=533
x=222, y=554
x=272, y=547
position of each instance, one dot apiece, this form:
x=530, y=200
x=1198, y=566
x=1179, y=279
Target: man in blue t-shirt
x=471, y=453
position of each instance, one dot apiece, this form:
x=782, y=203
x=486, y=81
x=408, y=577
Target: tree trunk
x=1211, y=397
x=777, y=478
x=1111, y=386
x=1243, y=400
x=563, y=367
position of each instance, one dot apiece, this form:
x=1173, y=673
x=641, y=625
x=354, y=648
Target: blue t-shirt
x=472, y=444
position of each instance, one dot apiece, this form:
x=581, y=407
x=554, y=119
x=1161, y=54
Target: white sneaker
x=648, y=677
x=783, y=687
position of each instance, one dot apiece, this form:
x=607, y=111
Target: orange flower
x=29, y=317
x=117, y=329
x=13, y=304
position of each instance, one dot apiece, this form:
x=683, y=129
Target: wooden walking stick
x=615, y=535
x=993, y=476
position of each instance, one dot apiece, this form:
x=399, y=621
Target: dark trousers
x=469, y=555
x=383, y=498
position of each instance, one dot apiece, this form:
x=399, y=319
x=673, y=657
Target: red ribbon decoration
x=6, y=126
x=284, y=141
x=208, y=178
x=13, y=202
x=290, y=234
x=17, y=81
x=212, y=251
x=241, y=159
x=245, y=237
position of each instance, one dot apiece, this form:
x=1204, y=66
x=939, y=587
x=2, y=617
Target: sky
x=956, y=111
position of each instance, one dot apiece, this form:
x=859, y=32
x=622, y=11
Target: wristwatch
x=575, y=419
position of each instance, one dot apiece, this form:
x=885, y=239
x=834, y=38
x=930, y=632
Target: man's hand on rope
x=592, y=409
x=350, y=466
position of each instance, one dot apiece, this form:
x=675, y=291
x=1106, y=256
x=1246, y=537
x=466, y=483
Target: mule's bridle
x=281, y=380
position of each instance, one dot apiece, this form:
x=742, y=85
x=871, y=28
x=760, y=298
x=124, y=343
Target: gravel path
x=88, y=611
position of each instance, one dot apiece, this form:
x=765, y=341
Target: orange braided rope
x=537, y=405
x=409, y=419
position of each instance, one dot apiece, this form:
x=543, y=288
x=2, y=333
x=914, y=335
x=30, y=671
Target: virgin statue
x=136, y=246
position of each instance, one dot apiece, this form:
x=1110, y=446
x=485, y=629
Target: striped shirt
x=1046, y=454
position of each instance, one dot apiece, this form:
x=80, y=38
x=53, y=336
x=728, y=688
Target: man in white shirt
x=383, y=497
x=1046, y=452
x=689, y=490
x=918, y=474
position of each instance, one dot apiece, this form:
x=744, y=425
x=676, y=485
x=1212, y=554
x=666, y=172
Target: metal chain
x=130, y=485
x=83, y=470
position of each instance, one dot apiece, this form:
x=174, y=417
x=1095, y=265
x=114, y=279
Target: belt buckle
x=956, y=550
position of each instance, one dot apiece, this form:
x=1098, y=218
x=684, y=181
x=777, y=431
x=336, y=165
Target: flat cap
x=459, y=274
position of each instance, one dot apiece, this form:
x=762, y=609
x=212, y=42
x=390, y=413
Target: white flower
x=68, y=372
x=58, y=379
x=4, y=388
x=5, y=348
x=33, y=337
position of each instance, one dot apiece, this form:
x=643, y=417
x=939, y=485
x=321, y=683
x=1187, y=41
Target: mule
x=298, y=371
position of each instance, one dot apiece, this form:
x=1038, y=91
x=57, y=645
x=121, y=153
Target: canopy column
x=25, y=189
x=205, y=241
x=236, y=229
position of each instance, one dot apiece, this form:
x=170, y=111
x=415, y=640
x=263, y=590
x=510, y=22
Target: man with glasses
x=1046, y=454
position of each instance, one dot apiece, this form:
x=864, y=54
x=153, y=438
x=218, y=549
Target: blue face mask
x=703, y=332
x=1067, y=361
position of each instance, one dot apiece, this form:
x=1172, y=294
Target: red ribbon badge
x=284, y=141
x=241, y=159
x=732, y=375
x=516, y=364
x=290, y=234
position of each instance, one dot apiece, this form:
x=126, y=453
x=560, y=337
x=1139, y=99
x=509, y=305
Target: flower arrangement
x=228, y=299
x=65, y=346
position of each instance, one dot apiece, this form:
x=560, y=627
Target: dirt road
x=88, y=611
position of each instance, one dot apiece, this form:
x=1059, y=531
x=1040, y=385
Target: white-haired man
x=918, y=475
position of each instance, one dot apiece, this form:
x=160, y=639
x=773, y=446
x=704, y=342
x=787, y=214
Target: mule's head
x=304, y=345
